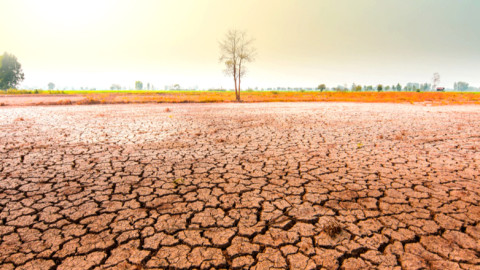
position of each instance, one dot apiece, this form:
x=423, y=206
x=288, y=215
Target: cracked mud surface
x=261, y=186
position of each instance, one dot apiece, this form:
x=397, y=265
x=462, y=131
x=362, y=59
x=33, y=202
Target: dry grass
x=89, y=100
x=332, y=228
x=64, y=102
x=200, y=97
x=433, y=98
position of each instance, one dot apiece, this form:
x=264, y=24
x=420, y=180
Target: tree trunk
x=238, y=96
x=235, y=82
x=239, y=71
x=235, y=78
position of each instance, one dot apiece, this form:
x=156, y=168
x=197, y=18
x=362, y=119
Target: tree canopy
x=460, y=86
x=321, y=87
x=138, y=85
x=11, y=73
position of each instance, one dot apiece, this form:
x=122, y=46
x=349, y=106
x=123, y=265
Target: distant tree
x=460, y=86
x=11, y=73
x=379, y=88
x=138, y=85
x=340, y=88
x=236, y=49
x=356, y=87
x=51, y=86
x=399, y=87
x=412, y=86
x=176, y=86
x=321, y=87
x=435, y=81
x=369, y=88
x=115, y=87
x=148, y=86
x=425, y=86
x=387, y=87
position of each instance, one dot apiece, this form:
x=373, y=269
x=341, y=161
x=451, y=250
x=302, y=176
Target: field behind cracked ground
x=261, y=186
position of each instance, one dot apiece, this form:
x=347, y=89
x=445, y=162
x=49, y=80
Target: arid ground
x=260, y=185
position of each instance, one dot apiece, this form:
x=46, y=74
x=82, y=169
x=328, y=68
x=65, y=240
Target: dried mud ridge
x=261, y=186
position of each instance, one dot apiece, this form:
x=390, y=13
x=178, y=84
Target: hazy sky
x=301, y=43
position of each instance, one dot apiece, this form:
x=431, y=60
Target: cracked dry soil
x=260, y=186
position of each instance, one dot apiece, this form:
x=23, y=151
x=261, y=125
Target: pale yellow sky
x=302, y=43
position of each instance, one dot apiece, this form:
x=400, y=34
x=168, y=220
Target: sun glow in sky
x=96, y=43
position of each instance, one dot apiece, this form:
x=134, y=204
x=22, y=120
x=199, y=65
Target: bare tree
x=435, y=81
x=236, y=50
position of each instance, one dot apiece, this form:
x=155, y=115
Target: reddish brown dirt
x=23, y=100
x=291, y=185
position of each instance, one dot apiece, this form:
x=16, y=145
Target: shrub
x=13, y=91
x=64, y=102
x=87, y=101
x=54, y=92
